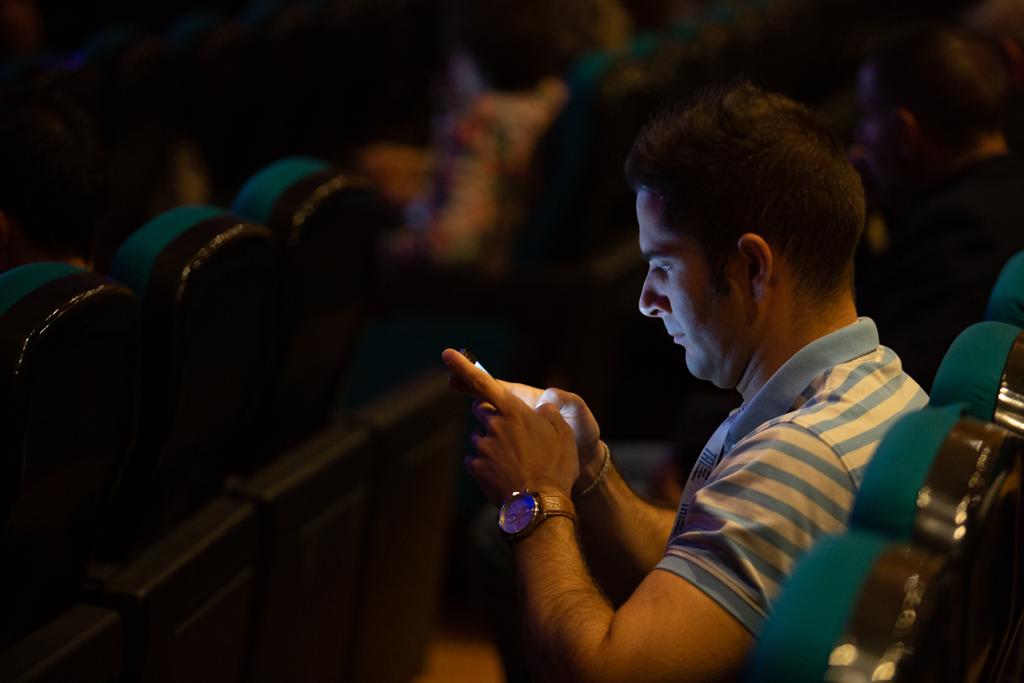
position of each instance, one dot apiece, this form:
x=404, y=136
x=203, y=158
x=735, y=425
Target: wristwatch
x=523, y=511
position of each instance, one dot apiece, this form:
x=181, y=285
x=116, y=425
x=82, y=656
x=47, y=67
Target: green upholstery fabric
x=17, y=283
x=887, y=501
x=256, y=200
x=972, y=369
x=1006, y=303
x=813, y=609
x=134, y=260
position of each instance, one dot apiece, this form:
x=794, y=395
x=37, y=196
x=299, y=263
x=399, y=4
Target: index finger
x=476, y=380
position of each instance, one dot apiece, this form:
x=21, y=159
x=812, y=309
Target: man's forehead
x=655, y=238
x=649, y=206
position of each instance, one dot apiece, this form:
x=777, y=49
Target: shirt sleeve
x=766, y=503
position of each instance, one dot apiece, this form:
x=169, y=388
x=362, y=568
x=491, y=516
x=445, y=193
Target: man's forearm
x=624, y=536
x=564, y=613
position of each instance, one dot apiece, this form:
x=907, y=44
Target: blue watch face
x=517, y=513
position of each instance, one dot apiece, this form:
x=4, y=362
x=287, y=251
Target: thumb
x=568, y=404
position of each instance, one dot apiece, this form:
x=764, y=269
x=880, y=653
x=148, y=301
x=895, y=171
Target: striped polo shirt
x=784, y=468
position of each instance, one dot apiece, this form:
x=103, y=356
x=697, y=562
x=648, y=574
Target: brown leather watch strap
x=556, y=504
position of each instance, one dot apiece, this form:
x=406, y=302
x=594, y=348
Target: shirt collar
x=781, y=391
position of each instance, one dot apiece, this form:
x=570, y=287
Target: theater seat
x=952, y=486
x=82, y=645
x=186, y=601
x=208, y=282
x=1006, y=303
x=326, y=225
x=311, y=503
x=857, y=607
x=68, y=378
x=984, y=370
x=416, y=433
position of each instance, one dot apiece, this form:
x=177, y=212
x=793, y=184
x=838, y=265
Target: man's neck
x=791, y=331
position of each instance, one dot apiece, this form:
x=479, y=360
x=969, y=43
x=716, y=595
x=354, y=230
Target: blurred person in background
x=466, y=197
x=52, y=182
x=933, y=153
x=21, y=28
x=1003, y=22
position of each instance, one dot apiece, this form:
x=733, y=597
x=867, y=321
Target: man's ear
x=757, y=260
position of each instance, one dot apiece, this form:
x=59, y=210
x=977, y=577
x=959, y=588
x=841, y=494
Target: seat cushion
x=257, y=199
x=887, y=501
x=1006, y=303
x=813, y=610
x=17, y=283
x=972, y=368
x=133, y=263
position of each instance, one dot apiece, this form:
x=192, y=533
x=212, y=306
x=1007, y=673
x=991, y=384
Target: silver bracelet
x=600, y=475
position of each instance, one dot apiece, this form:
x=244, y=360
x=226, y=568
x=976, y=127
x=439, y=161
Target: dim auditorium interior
x=230, y=451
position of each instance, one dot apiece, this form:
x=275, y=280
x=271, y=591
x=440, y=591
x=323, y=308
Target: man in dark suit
x=933, y=153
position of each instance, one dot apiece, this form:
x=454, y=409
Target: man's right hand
x=576, y=413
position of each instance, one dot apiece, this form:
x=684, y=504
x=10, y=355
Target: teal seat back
x=972, y=370
x=813, y=609
x=17, y=283
x=258, y=197
x=1006, y=303
x=326, y=223
x=68, y=409
x=887, y=500
x=208, y=281
x=859, y=607
x=136, y=259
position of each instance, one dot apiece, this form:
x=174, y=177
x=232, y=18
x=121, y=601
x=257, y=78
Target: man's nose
x=650, y=300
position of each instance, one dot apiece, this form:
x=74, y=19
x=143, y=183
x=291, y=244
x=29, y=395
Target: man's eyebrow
x=650, y=255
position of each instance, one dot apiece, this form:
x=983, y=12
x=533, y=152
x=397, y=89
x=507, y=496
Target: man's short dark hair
x=738, y=159
x=52, y=180
x=951, y=77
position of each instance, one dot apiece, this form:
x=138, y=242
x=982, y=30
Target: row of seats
x=326, y=564
x=928, y=584
x=223, y=341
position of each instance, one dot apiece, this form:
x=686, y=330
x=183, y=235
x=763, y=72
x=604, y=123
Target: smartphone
x=472, y=359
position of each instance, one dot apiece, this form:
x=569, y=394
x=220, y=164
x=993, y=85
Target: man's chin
x=704, y=375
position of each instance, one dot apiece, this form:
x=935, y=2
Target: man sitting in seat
x=749, y=214
x=52, y=186
x=932, y=147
